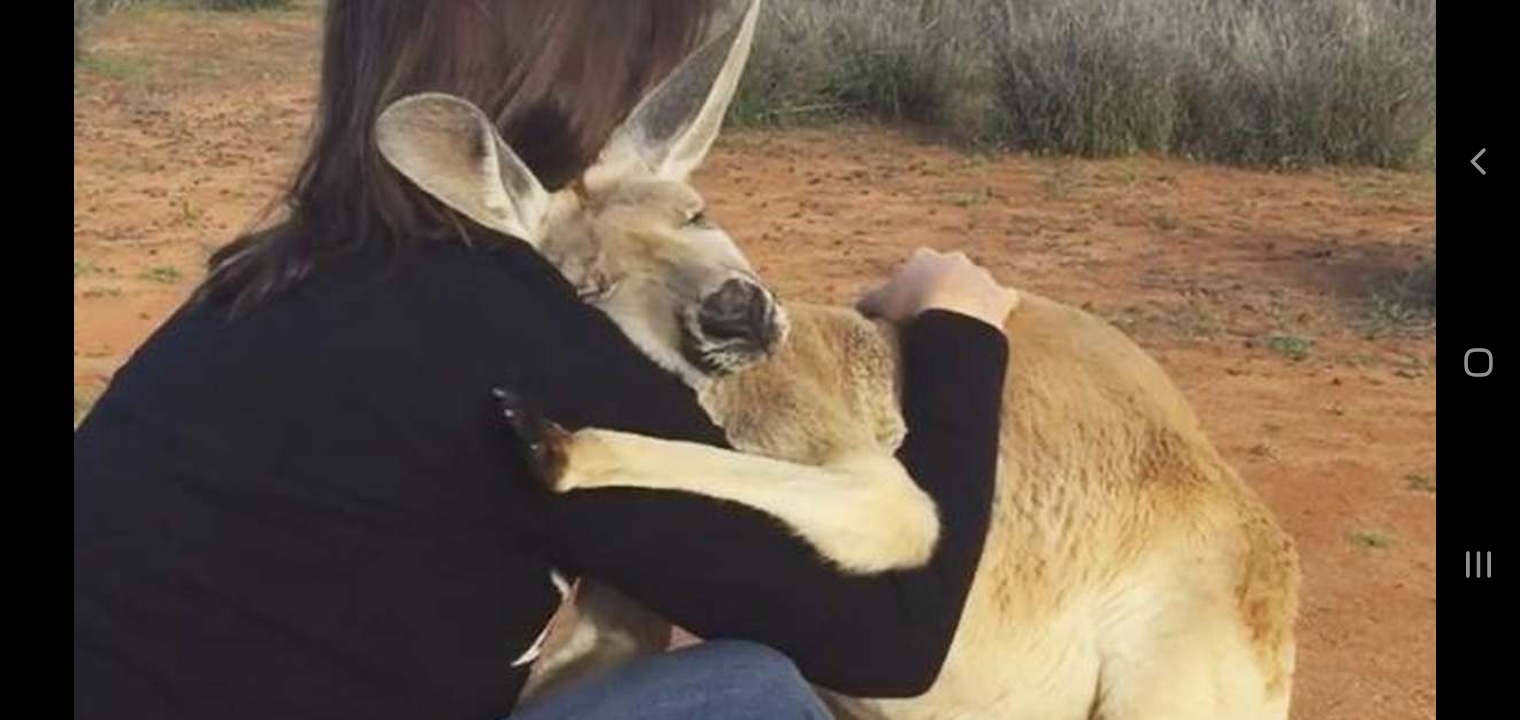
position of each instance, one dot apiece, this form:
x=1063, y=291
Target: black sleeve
x=724, y=570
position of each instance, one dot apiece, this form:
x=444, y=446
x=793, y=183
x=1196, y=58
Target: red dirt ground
x=185, y=124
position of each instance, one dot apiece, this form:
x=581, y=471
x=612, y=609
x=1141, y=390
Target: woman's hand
x=932, y=280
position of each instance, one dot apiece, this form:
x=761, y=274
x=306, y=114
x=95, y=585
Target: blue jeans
x=717, y=680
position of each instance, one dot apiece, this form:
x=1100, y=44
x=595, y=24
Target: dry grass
x=1274, y=82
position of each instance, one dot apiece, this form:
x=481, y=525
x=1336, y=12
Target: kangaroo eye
x=697, y=219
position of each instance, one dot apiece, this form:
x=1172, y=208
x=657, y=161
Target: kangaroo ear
x=449, y=148
x=670, y=131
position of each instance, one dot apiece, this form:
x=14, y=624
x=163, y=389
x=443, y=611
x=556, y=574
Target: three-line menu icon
x=1478, y=564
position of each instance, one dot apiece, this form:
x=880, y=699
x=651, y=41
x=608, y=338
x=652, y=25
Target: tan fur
x=848, y=400
x=1128, y=572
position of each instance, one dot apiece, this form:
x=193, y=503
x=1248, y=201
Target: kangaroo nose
x=738, y=311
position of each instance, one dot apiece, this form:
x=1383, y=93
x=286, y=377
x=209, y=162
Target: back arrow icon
x=1474, y=161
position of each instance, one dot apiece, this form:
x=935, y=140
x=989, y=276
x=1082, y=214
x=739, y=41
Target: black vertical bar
x=1474, y=432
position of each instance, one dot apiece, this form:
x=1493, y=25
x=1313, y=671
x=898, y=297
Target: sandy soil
x=1259, y=292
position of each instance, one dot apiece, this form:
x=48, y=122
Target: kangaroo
x=1128, y=572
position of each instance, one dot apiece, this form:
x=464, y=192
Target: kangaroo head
x=632, y=235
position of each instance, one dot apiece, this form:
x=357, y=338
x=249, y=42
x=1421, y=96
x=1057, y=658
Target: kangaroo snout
x=739, y=312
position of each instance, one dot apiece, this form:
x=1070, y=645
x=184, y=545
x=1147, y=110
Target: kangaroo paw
x=544, y=440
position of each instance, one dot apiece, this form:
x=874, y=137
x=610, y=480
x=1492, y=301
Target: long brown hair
x=557, y=75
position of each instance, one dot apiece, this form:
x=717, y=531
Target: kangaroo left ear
x=452, y=151
x=670, y=131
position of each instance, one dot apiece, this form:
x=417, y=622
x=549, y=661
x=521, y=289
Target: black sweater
x=314, y=512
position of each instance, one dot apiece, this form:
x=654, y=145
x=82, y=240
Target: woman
x=296, y=500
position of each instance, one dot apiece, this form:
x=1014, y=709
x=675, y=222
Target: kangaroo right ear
x=669, y=132
x=453, y=152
